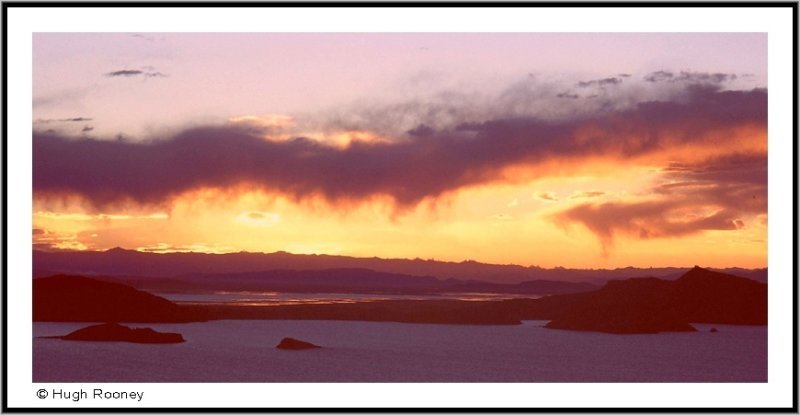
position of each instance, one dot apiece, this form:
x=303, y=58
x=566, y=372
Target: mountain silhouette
x=118, y=261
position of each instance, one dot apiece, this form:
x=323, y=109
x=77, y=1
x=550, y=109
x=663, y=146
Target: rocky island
x=289, y=343
x=113, y=332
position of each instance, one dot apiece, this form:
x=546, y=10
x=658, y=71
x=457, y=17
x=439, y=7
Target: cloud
x=127, y=73
x=689, y=77
x=73, y=119
x=548, y=196
x=600, y=82
x=585, y=195
x=718, y=194
x=407, y=169
x=46, y=240
x=259, y=218
x=568, y=95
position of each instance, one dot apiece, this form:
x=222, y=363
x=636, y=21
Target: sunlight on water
x=271, y=298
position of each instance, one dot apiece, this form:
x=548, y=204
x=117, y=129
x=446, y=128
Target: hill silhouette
x=76, y=298
x=650, y=305
x=639, y=305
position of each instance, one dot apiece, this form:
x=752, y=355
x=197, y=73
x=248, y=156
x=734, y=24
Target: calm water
x=244, y=351
x=267, y=298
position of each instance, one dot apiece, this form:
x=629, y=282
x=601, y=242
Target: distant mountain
x=118, y=261
x=650, y=305
x=75, y=298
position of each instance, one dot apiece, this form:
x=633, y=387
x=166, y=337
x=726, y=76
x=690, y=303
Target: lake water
x=354, y=351
x=269, y=298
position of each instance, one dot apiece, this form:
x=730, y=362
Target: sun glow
x=509, y=223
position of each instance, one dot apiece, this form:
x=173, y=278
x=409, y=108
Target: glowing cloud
x=408, y=169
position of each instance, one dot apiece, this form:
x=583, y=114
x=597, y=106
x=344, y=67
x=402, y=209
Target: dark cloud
x=600, y=82
x=715, y=195
x=135, y=72
x=74, y=119
x=689, y=77
x=125, y=72
x=409, y=169
x=568, y=95
x=652, y=219
x=37, y=231
x=421, y=130
x=87, y=128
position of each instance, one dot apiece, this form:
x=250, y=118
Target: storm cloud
x=717, y=194
x=423, y=163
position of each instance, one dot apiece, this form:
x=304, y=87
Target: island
x=289, y=343
x=113, y=332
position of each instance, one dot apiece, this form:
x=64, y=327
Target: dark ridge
x=120, y=261
x=650, y=305
x=75, y=298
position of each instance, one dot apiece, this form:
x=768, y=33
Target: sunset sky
x=574, y=150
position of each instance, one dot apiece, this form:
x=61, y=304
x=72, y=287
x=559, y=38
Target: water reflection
x=272, y=298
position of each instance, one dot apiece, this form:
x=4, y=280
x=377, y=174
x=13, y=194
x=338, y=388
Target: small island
x=289, y=343
x=113, y=332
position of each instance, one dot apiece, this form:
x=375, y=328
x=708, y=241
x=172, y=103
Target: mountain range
x=123, y=262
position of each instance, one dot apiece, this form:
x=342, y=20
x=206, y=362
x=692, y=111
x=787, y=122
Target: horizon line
x=464, y=261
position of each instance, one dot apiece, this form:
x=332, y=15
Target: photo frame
x=22, y=21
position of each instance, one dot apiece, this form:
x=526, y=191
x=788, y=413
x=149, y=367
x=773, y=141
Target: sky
x=593, y=150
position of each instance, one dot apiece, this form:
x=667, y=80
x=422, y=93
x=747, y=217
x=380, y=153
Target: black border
x=350, y=4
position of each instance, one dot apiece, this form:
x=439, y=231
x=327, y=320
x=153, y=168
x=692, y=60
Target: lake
x=355, y=351
x=269, y=298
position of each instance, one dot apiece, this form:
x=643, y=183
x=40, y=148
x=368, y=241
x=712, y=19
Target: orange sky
x=514, y=220
x=409, y=154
